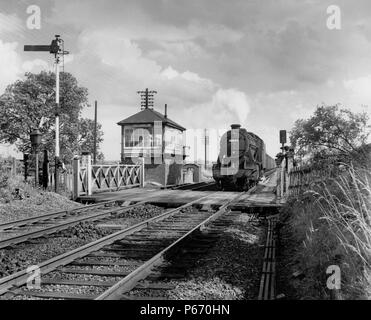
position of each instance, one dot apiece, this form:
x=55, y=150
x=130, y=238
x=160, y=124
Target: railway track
x=115, y=264
x=19, y=231
x=267, y=290
x=155, y=282
x=195, y=186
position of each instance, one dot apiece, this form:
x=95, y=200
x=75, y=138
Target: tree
x=86, y=137
x=26, y=102
x=330, y=130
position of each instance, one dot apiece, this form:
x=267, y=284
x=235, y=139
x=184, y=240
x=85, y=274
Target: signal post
x=56, y=48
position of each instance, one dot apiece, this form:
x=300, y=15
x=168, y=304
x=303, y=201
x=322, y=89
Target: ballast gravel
x=230, y=269
x=21, y=256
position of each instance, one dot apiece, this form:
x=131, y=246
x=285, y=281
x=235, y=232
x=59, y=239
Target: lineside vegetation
x=330, y=222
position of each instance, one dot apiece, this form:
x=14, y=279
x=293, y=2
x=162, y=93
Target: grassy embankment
x=330, y=224
x=29, y=201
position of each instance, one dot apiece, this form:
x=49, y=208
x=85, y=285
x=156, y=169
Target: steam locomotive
x=242, y=160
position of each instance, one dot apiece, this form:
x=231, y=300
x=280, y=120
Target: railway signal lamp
x=35, y=138
x=283, y=137
x=54, y=47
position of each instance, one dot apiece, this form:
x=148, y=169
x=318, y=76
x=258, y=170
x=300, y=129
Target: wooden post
x=142, y=174
x=95, y=134
x=45, y=170
x=89, y=175
x=36, y=169
x=118, y=179
x=14, y=167
x=76, y=178
x=278, y=181
x=282, y=187
x=290, y=166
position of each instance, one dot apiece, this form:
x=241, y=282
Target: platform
x=263, y=196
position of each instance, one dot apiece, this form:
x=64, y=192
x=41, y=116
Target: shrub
x=331, y=225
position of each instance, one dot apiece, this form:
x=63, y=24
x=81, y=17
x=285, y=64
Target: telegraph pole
x=56, y=48
x=206, y=143
x=147, y=98
x=95, y=134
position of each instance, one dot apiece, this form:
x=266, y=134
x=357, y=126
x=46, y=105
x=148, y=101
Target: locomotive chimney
x=235, y=126
x=165, y=111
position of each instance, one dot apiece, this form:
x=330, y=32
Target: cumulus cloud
x=10, y=64
x=34, y=65
x=123, y=68
x=213, y=62
x=13, y=67
x=360, y=88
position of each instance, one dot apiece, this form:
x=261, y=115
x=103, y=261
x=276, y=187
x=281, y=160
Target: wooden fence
x=83, y=178
x=291, y=181
x=65, y=180
x=89, y=179
x=10, y=165
x=302, y=178
x=283, y=178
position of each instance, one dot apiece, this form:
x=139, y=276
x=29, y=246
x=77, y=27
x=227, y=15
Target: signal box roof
x=150, y=116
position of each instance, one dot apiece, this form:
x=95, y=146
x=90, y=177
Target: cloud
x=121, y=68
x=360, y=88
x=10, y=24
x=214, y=35
x=10, y=64
x=213, y=62
x=35, y=66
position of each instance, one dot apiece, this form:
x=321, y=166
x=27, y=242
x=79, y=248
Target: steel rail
x=268, y=278
x=62, y=226
x=209, y=184
x=193, y=186
x=49, y=216
x=20, y=278
x=130, y=281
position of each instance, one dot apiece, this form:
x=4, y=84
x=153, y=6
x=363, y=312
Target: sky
x=260, y=63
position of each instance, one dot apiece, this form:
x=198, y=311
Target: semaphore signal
x=57, y=48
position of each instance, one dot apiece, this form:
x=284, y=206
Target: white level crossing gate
x=89, y=179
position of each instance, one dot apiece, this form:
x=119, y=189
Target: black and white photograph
x=185, y=157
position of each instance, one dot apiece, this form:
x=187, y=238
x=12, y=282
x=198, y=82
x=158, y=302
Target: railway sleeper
x=126, y=297
x=104, y=272
x=57, y=295
x=91, y=262
x=106, y=255
x=72, y=282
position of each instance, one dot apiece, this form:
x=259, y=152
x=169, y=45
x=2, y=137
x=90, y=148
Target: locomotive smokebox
x=235, y=126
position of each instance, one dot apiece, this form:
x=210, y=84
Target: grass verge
x=328, y=225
